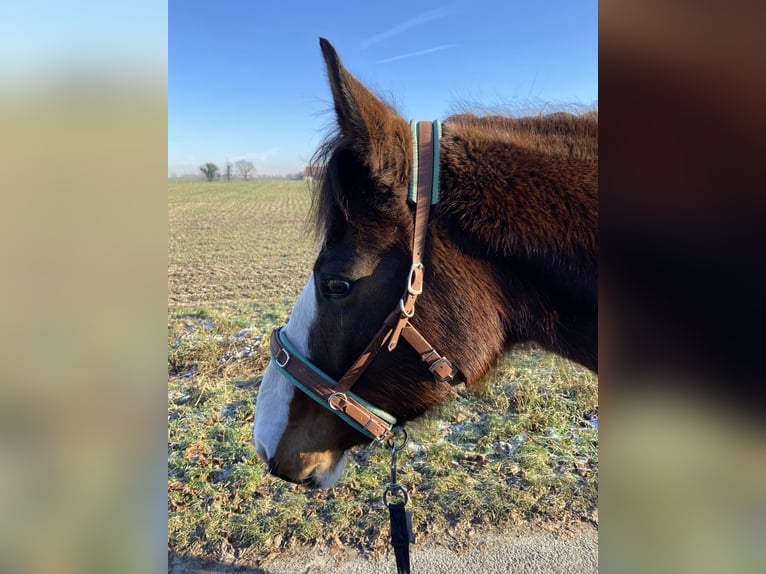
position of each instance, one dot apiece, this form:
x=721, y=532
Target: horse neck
x=529, y=218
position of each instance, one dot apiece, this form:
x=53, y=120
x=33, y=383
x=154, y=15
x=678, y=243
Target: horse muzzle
x=314, y=470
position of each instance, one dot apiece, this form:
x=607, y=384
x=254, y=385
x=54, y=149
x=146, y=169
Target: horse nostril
x=263, y=454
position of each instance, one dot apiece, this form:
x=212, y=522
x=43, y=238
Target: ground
x=523, y=550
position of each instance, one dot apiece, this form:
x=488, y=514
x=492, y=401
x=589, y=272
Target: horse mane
x=563, y=135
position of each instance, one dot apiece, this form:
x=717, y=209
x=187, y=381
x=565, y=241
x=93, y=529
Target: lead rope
x=401, y=521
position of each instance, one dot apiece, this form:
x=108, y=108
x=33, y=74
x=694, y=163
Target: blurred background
x=83, y=126
x=681, y=206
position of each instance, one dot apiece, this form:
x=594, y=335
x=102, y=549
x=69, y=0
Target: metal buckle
x=440, y=360
x=404, y=311
x=394, y=485
x=415, y=267
x=332, y=396
x=287, y=357
x=382, y=437
x=431, y=353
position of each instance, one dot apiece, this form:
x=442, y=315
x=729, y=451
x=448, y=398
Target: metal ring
x=404, y=311
x=394, y=488
x=410, y=289
x=390, y=443
x=287, y=358
x=330, y=398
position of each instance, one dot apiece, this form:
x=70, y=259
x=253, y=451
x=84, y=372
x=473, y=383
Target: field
x=522, y=448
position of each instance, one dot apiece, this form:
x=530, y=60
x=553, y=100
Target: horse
x=507, y=253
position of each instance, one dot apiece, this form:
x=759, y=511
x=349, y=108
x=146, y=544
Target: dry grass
x=237, y=242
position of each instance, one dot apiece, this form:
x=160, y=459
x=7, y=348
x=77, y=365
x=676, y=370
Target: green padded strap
x=413, y=192
x=331, y=383
x=437, y=149
x=413, y=195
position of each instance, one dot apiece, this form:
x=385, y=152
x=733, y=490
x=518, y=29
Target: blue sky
x=246, y=79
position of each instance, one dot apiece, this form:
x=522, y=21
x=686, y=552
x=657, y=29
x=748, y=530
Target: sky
x=246, y=79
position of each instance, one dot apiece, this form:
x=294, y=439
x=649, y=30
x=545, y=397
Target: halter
x=336, y=395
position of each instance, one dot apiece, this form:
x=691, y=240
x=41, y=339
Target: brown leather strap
x=438, y=365
x=398, y=322
x=365, y=358
x=425, y=159
x=335, y=399
x=395, y=323
x=425, y=184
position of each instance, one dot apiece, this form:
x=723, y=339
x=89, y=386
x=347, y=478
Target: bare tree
x=245, y=168
x=227, y=171
x=209, y=170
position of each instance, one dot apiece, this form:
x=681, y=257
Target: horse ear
x=378, y=134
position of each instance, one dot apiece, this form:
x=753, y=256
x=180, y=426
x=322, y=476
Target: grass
x=523, y=447
x=237, y=242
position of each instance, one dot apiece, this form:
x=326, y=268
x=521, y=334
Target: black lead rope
x=401, y=536
x=401, y=521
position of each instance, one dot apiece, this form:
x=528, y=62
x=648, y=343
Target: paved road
x=528, y=553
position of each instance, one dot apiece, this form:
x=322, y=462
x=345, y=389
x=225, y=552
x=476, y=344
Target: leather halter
x=337, y=396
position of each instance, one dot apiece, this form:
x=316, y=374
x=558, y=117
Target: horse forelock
x=326, y=196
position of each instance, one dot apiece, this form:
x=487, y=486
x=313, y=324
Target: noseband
x=336, y=395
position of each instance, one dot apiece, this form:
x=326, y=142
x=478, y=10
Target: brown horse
x=510, y=256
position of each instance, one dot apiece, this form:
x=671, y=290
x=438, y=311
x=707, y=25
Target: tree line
x=244, y=169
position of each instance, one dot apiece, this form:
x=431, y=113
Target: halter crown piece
x=336, y=395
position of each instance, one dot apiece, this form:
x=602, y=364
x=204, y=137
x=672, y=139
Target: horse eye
x=337, y=287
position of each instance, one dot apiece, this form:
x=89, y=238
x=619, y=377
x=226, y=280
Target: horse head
x=365, y=261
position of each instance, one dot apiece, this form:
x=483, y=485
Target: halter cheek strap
x=337, y=396
x=357, y=412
